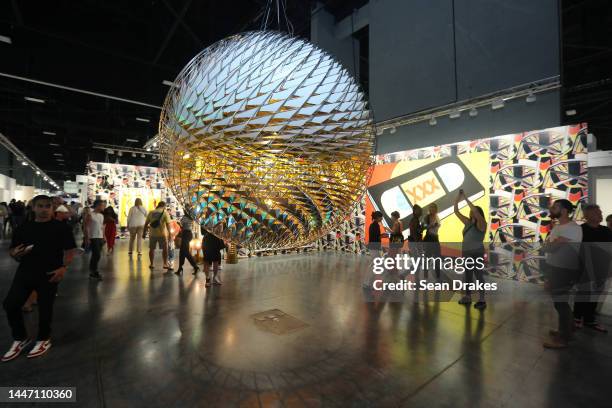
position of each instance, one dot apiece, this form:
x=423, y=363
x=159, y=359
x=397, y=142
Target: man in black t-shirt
x=596, y=257
x=44, y=248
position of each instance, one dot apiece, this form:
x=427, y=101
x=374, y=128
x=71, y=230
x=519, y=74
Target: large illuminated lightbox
x=268, y=139
x=514, y=178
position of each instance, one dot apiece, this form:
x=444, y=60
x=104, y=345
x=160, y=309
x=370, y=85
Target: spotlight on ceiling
x=54, y=144
x=37, y=173
x=393, y=130
x=148, y=149
x=498, y=104
x=380, y=131
x=531, y=98
x=30, y=99
x=473, y=112
x=46, y=132
x=433, y=121
x=456, y=114
x=155, y=144
x=142, y=155
x=571, y=112
x=143, y=120
x=131, y=140
x=109, y=151
x=24, y=163
x=133, y=154
x=5, y=39
x=119, y=153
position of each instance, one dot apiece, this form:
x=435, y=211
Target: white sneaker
x=40, y=348
x=15, y=349
x=217, y=280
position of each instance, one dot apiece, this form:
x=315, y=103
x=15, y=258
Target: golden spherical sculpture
x=267, y=140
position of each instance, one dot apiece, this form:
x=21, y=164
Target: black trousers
x=23, y=284
x=470, y=272
x=186, y=237
x=561, y=281
x=96, y=252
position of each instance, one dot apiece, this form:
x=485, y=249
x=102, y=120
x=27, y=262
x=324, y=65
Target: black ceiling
x=115, y=47
x=587, y=66
x=127, y=48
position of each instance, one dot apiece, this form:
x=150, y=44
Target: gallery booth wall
x=121, y=184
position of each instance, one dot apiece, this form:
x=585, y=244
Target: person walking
x=561, y=250
x=94, y=237
x=110, y=228
x=212, y=246
x=186, y=237
x=595, y=266
x=4, y=213
x=474, y=231
x=159, y=222
x=374, y=246
x=135, y=222
x=44, y=248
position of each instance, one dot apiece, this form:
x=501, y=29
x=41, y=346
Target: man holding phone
x=44, y=248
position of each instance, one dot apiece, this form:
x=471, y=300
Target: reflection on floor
x=142, y=338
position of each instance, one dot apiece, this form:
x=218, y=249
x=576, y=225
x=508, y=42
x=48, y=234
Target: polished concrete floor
x=145, y=339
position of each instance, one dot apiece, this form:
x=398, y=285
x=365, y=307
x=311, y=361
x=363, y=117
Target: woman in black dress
x=212, y=246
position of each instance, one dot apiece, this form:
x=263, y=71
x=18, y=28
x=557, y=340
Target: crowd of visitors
x=42, y=233
x=576, y=265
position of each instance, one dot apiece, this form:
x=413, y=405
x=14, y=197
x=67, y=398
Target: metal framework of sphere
x=268, y=139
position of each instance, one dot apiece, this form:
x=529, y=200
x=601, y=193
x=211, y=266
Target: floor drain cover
x=277, y=322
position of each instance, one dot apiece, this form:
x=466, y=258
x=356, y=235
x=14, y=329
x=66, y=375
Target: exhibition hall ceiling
x=120, y=48
x=127, y=48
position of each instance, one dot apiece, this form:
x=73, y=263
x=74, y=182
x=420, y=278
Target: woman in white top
x=135, y=222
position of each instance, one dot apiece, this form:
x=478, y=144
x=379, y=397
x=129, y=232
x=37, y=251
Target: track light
x=142, y=155
x=148, y=149
x=119, y=153
x=393, y=130
x=433, y=121
x=571, y=112
x=24, y=163
x=143, y=120
x=37, y=173
x=133, y=154
x=46, y=132
x=531, y=98
x=498, y=104
x=473, y=112
x=456, y=114
x=380, y=131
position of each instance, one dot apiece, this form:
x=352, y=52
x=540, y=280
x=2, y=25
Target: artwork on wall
x=121, y=184
x=514, y=178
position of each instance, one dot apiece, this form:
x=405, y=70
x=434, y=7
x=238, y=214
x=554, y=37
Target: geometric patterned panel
x=527, y=172
x=268, y=138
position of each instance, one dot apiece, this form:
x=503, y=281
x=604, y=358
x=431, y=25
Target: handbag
x=157, y=222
